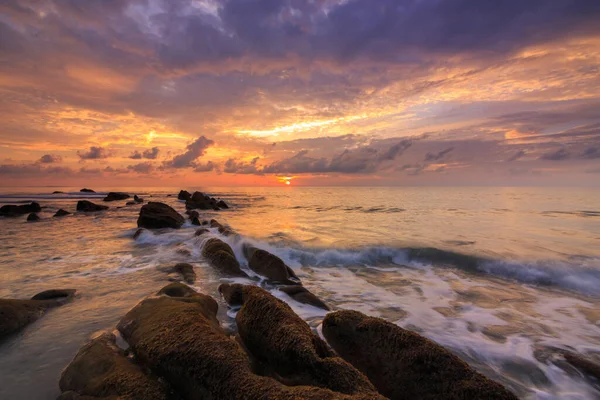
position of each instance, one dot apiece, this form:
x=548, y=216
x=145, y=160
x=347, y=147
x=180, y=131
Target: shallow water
x=494, y=274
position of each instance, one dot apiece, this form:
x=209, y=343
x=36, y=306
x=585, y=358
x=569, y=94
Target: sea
x=503, y=277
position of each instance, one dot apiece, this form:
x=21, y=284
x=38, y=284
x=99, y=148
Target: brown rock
x=222, y=204
x=33, y=217
x=221, y=256
x=184, y=195
x=88, y=206
x=404, y=365
x=62, y=213
x=302, y=295
x=201, y=232
x=159, y=215
x=87, y=191
x=114, y=196
x=586, y=365
x=138, y=233
x=186, y=270
x=11, y=210
x=281, y=340
x=270, y=266
x=138, y=199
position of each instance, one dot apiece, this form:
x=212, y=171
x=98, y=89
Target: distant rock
x=196, y=221
x=186, y=270
x=302, y=295
x=270, y=266
x=403, y=364
x=114, y=196
x=201, y=232
x=156, y=215
x=184, y=195
x=10, y=210
x=130, y=203
x=88, y=206
x=16, y=314
x=192, y=214
x=221, y=256
x=284, y=343
x=222, y=204
x=101, y=369
x=57, y=192
x=87, y=191
x=33, y=217
x=62, y=213
x=138, y=199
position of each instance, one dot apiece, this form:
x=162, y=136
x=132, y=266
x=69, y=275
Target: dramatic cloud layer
x=329, y=91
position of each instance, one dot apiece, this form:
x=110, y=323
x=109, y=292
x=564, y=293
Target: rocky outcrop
x=16, y=314
x=62, y=213
x=270, y=266
x=201, y=232
x=220, y=255
x=302, y=295
x=404, y=365
x=587, y=366
x=184, y=195
x=202, y=202
x=138, y=199
x=88, y=206
x=192, y=214
x=114, y=196
x=10, y=210
x=33, y=217
x=87, y=191
x=284, y=343
x=101, y=369
x=185, y=270
x=177, y=336
x=196, y=222
x=223, y=230
x=57, y=192
x=159, y=215
x=222, y=204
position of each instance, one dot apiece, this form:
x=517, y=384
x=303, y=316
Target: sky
x=310, y=92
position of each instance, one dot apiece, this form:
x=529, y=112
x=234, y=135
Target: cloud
x=519, y=154
x=209, y=166
x=438, y=156
x=238, y=167
x=95, y=153
x=150, y=154
x=558, y=155
x=591, y=152
x=50, y=158
x=194, y=151
x=141, y=168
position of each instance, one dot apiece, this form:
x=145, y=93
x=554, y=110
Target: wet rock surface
x=303, y=295
x=220, y=255
x=185, y=270
x=85, y=190
x=11, y=210
x=402, y=364
x=61, y=213
x=283, y=342
x=88, y=206
x=16, y=314
x=156, y=215
x=33, y=217
x=115, y=196
x=270, y=266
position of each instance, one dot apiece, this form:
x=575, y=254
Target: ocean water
x=497, y=275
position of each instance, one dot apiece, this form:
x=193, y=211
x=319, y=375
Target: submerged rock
x=179, y=338
x=222, y=257
x=222, y=204
x=285, y=344
x=196, y=222
x=101, y=369
x=159, y=215
x=11, y=210
x=138, y=233
x=130, y=203
x=87, y=191
x=184, y=195
x=223, y=230
x=33, y=217
x=16, y=314
x=302, y=295
x=404, y=365
x=114, y=196
x=138, y=199
x=62, y=213
x=193, y=214
x=589, y=367
x=186, y=270
x=201, y=232
x=88, y=206
x=57, y=192
x=270, y=266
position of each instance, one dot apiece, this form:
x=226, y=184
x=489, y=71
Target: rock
x=33, y=217
x=87, y=191
x=281, y=340
x=10, y=210
x=186, y=270
x=221, y=256
x=57, y=192
x=193, y=214
x=101, y=369
x=138, y=233
x=159, y=215
x=62, y=213
x=302, y=295
x=138, y=199
x=404, y=365
x=199, y=196
x=130, y=203
x=584, y=364
x=196, y=222
x=270, y=266
x=114, y=196
x=223, y=230
x=16, y=314
x=88, y=206
x=178, y=337
x=184, y=195
x=201, y=232
x=222, y=204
